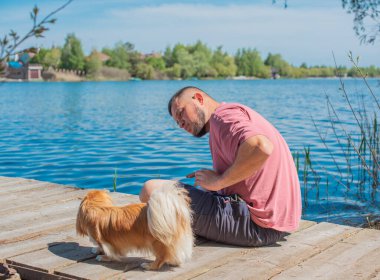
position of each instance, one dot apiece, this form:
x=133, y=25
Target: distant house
x=21, y=69
x=34, y=72
x=101, y=56
x=275, y=73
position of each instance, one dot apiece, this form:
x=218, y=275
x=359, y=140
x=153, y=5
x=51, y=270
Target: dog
x=162, y=226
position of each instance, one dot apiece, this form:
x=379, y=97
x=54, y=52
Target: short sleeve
x=235, y=125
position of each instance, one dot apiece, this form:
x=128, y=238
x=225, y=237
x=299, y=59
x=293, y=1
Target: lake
x=80, y=134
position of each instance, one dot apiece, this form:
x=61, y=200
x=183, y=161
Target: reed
x=114, y=180
x=354, y=152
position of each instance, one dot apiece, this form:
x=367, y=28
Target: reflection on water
x=79, y=133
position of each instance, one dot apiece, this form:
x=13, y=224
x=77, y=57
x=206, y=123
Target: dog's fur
x=163, y=226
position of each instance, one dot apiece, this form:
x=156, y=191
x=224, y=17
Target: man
x=252, y=195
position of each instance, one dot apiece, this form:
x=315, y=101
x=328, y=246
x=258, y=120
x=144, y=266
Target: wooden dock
x=38, y=240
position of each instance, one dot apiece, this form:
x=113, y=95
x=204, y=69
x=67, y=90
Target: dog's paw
x=95, y=250
x=103, y=258
x=145, y=266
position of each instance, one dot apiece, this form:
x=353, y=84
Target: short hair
x=179, y=94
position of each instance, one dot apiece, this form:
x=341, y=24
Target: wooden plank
x=25, y=195
x=34, y=221
x=9, y=181
x=56, y=255
x=29, y=218
x=31, y=274
x=356, y=257
x=205, y=257
x=39, y=199
x=304, y=224
x=92, y=269
x=38, y=242
x=299, y=247
x=16, y=184
x=38, y=236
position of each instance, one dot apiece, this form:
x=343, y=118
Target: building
x=21, y=69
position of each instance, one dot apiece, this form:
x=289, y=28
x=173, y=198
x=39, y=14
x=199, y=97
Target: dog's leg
x=162, y=256
x=103, y=258
x=97, y=250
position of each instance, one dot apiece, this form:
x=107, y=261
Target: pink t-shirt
x=273, y=192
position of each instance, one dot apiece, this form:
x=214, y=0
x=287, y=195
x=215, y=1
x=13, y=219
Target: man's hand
x=207, y=179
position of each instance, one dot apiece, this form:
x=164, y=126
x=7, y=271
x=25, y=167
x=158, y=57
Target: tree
x=48, y=57
x=144, y=71
x=276, y=62
x=72, y=53
x=223, y=63
x=364, y=11
x=10, y=43
x=119, y=57
x=201, y=55
x=93, y=64
x=157, y=63
x=249, y=63
x=52, y=58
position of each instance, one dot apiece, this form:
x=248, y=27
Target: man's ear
x=198, y=97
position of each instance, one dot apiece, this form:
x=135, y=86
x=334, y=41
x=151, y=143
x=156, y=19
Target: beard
x=199, y=128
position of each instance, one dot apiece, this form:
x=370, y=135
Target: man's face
x=189, y=115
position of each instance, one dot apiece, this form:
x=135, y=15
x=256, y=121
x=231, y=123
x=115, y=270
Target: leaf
x=13, y=34
x=35, y=11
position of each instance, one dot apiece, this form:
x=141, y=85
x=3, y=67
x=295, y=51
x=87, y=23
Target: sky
x=308, y=31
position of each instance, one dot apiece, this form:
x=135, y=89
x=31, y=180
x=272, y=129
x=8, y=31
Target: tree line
x=182, y=62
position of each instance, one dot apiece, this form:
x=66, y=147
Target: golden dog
x=162, y=227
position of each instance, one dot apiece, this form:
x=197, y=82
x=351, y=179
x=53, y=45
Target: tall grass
x=354, y=152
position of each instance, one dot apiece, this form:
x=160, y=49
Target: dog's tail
x=169, y=220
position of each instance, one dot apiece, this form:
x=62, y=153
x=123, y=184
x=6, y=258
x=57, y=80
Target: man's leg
x=227, y=220
x=151, y=185
x=219, y=218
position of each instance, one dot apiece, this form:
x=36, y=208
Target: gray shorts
x=227, y=219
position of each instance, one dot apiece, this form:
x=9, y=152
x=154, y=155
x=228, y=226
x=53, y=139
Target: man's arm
x=251, y=155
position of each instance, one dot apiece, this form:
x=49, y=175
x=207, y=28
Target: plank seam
x=317, y=252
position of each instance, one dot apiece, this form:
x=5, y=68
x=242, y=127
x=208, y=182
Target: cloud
x=301, y=33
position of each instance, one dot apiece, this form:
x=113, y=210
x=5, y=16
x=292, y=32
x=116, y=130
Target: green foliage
x=53, y=58
x=93, y=64
x=145, y=71
x=223, y=64
x=72, y=54
x=119, y=56
x=158, y=63
x=174, y=71
x=249, y=63
x=364, y=12
x=48, y=57
x=9, y=43
x=275, y=61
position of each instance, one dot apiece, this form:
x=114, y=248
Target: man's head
x=190, y=108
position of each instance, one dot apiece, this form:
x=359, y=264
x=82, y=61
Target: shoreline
x=6, y=80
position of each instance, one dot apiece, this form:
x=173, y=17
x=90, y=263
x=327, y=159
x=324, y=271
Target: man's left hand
x=207, y=179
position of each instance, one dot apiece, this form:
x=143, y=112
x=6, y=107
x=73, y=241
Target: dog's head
x=97, y=198
x=87, y=213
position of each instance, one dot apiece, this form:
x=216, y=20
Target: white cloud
x=307, y=34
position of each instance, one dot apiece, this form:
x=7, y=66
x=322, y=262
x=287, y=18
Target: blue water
x=80, y=133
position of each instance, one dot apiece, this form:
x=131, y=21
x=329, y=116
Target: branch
x=37, y=30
